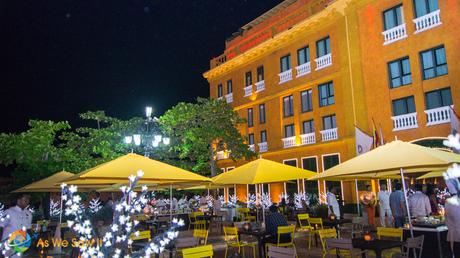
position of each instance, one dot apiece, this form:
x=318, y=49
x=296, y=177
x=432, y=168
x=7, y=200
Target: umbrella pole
x=357, y=197
x=263, y=207
x=170, y=203
x=407, y=204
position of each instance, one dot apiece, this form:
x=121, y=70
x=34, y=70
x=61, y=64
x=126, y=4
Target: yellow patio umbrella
x=119, y=169
x=262, y=171
x=432, y=174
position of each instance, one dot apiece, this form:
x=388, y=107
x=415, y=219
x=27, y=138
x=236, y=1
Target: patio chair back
x=201, y=234
x=390, y=232
x=286, y=230
x=413, y=245
x=316, y=223
x=303, y=220
x=324, y=234
x=231, y=234
x=198, y=252
x=281, y=252
x=145, y=234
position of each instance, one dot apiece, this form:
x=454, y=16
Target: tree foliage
x=199, y=130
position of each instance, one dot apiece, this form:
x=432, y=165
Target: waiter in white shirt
x=17, y=217
x=384, y=206
x=419, y=203
x=332, y=202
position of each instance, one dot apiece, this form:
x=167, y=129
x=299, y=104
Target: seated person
x=273, y=220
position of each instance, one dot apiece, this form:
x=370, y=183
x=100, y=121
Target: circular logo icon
x=19, y=241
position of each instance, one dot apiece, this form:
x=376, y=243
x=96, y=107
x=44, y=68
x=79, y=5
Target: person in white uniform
x=332, y=202
x=384, y=206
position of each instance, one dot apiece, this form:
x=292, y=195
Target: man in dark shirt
x=272, y=222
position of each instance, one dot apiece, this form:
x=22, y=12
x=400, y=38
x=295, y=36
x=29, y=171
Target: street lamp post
x=151, y=136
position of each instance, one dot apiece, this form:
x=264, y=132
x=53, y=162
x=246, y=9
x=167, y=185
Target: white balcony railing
x=285, y=76
x=288, y=142
x=308, y=138
x=260, y=86
x=323, y=61
x=252, y=147
x=303, y=69
x=427, y=21
x=438, y=116
x=329, y=134
x=263, y=147
x=404, y=122
x=248, y=91
x=394, y=34
x=229, y=97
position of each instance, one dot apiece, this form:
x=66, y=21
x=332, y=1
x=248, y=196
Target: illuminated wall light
x=128, y=139
x=155, y=143
x=137, y=139
x=157, y=138
x=148, y=111
x=166, y=140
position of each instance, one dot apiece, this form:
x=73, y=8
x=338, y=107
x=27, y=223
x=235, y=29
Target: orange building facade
x=307, y=72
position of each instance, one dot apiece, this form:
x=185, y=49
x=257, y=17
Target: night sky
x=63, y=57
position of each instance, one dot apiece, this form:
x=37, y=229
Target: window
x=219, y=91
x=323, y=47
x=285, y=63
x=260, y=73
x=399, y=71
x=229, y=86
x=248, y=78
x=262, y=113
x=308, y=126
x=250, y=117
x=311, y=187
x=251, y=139
x=290, y=162
x=289, y=131
x=434, y=62
x=329, y=122
x=303, y=55
x=263, y=136
x=326, y=94
x=423, y=7
x=403, y=106
x=306, y=99
x=392, y=17
x=438, y=98
x=330, y=161
x=288, y=106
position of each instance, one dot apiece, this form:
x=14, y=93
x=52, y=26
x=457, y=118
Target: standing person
x=431, y=192
x=16, y=218
x=217, y=205
x=368, y=200
x=384, y=206
x=332, y=203
x=397, y=205
x=452, y=210
x=419, y=203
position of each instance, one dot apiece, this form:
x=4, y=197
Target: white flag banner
x=454, y=122
x=364, y=142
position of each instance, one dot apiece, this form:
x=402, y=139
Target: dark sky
x=63, y=57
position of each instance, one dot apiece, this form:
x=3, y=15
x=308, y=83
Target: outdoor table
x=260, y=234
x=377, y=245
x=435, y=238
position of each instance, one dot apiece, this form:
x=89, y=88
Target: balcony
x=323, y=61
x=263, y=147
x=252, y=147
x=229, y=97
x=289, y=142
x=404, y=122
x=285, y=76
x=329, y=135
x=394, y=34
x=308, y=138
x=427, y=21
x=303, y=69
x=438, y=116
x=248, y=91
x=260, y=86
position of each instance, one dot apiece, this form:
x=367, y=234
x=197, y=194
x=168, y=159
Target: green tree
x=199, y=130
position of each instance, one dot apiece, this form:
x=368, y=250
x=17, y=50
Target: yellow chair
x=195, y=222
x=232, y=240
x=304, y=226
x=143, y=235
x=243, y=214
x=198, y=252
x=395, y=233
x=315, y=224
x=201, y=234
x=281, y=231
x=323, y=235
